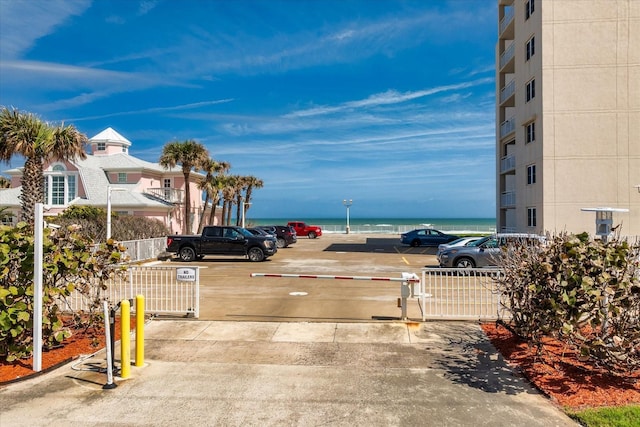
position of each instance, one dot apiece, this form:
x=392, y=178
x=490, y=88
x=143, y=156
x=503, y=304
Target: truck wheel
x=187, y=254
x=312, y=235
x=256, y=255
x=281, y=243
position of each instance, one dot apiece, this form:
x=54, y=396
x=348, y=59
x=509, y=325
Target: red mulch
x=564, y=379
x=80, y=343
x=558, y=374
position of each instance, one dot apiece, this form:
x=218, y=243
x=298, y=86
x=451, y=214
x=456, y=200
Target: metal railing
x=507, y=18
x=507, y=163
x=146, y=249
x=451, y=293
x=507, y=127
x=507, y=91
x=171, y=195
x=399, y=229
x=508, y=198
x=507, y=55
x=163, y=292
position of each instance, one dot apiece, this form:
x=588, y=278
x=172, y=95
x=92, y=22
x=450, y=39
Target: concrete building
x=567, y=114
x=142, y=188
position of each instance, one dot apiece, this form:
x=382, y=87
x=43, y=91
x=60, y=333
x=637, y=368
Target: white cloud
x=24, y=22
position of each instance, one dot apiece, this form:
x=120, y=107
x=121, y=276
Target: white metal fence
x=451, y=293
x=141, y=250
x=166, y=290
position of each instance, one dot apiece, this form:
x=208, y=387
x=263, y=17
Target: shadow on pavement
x=380, y=245
x=468, y=358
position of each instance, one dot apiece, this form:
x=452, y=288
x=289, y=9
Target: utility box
x=604, y=222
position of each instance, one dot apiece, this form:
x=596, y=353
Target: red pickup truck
x=302, y=229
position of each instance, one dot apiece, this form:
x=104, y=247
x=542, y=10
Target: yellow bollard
x=139, y=330
x=125, y=339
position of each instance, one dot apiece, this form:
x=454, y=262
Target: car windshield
x=455, y=242
x=479, y=242
x=245, y=232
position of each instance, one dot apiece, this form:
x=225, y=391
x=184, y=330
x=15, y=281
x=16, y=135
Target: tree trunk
x=32, y=188
x=187, y=204
x=202, y=215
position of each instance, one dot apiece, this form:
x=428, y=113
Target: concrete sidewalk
x=217, y=373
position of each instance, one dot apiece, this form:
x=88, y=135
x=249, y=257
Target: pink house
x=138, y=187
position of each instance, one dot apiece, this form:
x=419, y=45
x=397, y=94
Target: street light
x=109, y=190
x=348, y=204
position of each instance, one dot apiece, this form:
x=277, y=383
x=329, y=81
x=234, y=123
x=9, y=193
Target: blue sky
x=388, y=103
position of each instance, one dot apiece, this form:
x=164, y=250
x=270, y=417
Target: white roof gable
x=112, y=137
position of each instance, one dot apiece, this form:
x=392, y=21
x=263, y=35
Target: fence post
x=110, y=384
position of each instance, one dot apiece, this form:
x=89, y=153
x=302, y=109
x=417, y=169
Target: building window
x=529, y=7
x=101, y=146
x=122, y=177
x=60, y=186
x=124, y=149
x=531, y=174
x=531, y=90
x=530, y=130
x=531, y=48
x=531, y=217
x=166, y=183
x=6, y=218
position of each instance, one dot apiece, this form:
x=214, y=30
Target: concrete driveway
x=295, y=352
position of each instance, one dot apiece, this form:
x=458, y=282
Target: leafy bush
x=70, y=263
x=93, y=223
x=584, y=293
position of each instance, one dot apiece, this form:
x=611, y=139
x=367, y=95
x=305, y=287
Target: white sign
x=186, y=274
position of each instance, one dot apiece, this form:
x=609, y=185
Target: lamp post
x=348, y=204
x=109, y=190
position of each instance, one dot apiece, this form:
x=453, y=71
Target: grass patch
x=621, y=416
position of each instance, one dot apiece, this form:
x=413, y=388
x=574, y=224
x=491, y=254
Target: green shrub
x=93, y=224
x=70, y=263
x=584, y=293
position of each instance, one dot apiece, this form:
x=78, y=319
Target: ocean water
x=387, y=225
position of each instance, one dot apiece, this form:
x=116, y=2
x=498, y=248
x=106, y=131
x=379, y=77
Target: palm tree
x=189, y=155
x=228, y=194
x=5, y=182
x=39, y=142
x=251, y=183
x=209, y=186
x=241, y=185
x=217, y=184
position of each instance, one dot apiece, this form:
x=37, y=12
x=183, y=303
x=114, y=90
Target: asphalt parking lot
x=228, y=292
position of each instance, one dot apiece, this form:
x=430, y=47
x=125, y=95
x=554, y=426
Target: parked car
x=218, y=240
x=426, y=237
x=302, y=229
x=256, y=231
x=485, y=252
x=285, y=235
x=463, y=241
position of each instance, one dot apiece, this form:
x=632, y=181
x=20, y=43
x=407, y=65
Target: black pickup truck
x=219, y=240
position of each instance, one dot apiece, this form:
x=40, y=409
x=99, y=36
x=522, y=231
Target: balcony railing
x=171, y=195
x=506, y=19
x=507, y=55
x=508, y=198
x=507, y=164
x=507, y=91
x=507, y=127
